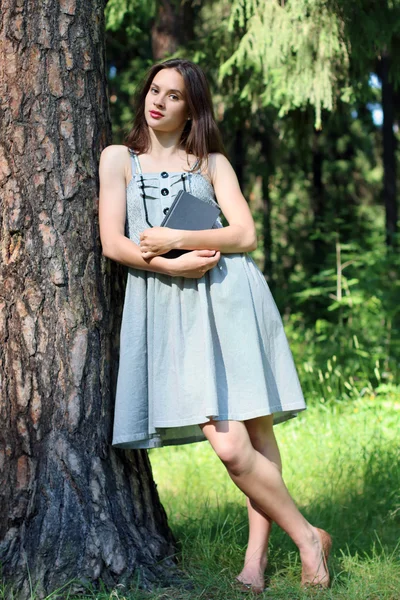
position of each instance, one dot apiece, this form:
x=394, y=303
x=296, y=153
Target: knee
x=236, y=459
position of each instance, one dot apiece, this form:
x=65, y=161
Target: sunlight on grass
x=341, y=464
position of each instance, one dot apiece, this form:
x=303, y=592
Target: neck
x=164, y=145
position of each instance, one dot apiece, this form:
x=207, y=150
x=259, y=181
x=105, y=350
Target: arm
x=238, y=236
x=112, y=215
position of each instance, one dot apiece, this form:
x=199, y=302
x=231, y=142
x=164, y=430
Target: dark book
x=190, y=213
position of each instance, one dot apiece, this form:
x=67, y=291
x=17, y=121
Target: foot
x=251, y=578
x=314, y=558
x=248, y=588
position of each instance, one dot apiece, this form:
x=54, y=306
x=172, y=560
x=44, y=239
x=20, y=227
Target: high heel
x=326, y=543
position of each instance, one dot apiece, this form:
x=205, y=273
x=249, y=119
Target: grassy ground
x=341, y=464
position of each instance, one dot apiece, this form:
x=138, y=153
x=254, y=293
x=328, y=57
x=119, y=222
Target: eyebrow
x=172, y=90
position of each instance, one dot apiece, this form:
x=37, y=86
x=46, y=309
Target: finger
x=206, y=253
x=147, y=255
x=213, y=259
x=211, y=263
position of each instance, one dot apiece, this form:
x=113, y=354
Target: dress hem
x=154, y=440
x=231, y=416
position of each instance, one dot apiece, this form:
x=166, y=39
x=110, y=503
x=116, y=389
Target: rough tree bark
x=70, y=506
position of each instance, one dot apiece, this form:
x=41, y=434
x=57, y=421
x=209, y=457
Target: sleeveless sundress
x=192, y=350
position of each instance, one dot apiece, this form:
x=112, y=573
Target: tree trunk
x=266, y=208
x=267, y=234
x=239, y=154
x=389, y=152
x=173, y=26
x=261, y=133
x=318, y=201
x=70, y=506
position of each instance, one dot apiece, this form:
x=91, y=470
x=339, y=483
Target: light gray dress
x=196, y=349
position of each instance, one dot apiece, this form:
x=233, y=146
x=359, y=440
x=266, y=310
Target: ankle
x=309, y=540
x=258, y=563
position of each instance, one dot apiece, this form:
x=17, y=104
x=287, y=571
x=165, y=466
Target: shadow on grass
x=362, y=513
x=360, y=508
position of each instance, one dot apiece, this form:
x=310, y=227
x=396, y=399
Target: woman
x=203, y=352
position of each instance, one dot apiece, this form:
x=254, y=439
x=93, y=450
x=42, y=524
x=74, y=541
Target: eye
x=174, y=96
x=153, y=90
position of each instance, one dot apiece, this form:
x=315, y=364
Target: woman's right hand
x=194, y=264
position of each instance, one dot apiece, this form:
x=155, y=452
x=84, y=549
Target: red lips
x=155, y=114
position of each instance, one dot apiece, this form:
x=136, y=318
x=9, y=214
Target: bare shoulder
x=219, y=159
x=218, y=164
x=114, y=159
x=114, y=152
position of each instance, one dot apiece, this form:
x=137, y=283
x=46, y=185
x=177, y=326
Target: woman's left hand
x=158, y=240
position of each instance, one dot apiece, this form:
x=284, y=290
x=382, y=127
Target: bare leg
x=260, y=479
x=263, y=440
x=255, y=561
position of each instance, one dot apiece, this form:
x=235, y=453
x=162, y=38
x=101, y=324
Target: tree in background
x=278, y=69
x=71, y=507
x=373, y=34
x=306, y=52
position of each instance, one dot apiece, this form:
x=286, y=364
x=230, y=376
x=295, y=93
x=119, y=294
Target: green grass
x=341, y=464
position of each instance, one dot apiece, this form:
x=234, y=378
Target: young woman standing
x=203, y=351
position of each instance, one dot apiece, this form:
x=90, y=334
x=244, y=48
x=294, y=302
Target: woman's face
x=166, y=97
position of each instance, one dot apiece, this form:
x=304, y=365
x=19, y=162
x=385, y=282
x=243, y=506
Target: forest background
x=306, y=94
x=307, y=97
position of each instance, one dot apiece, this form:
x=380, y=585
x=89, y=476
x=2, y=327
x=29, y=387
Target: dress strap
x=135, y=164
x=195, y=166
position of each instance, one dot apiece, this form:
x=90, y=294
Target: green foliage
x=370, y=29
x=296, y=53
x=128, y=14
x=128, y=25
x=296, y=49
x=296, y=43
x=351, y=174
x=355, y=348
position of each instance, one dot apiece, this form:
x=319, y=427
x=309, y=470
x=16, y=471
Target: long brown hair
x=201, y=134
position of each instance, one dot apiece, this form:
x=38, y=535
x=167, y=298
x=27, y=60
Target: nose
x=158, y=101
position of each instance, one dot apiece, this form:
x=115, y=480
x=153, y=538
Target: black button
x=165, y=192
x=165, y=211
x=164, y=174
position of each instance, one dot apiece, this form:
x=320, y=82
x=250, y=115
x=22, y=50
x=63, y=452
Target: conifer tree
x=309, y=51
